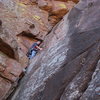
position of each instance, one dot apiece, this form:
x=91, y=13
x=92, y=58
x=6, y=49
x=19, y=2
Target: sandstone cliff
x=68, y=67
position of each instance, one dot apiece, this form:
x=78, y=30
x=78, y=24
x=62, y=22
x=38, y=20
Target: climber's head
x=38, y=42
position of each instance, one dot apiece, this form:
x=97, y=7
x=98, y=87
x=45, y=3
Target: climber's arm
x=38, y=47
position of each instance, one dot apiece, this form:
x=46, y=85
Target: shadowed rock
x=6, y=49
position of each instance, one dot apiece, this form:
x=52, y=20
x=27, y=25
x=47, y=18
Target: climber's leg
x=32, y=55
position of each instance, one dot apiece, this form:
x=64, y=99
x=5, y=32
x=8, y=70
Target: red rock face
x=54, y=7
x=23, y=22
x=13, y=70
x=4, y=87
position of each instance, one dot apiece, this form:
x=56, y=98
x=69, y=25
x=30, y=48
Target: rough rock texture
x=68, y=66
x=9, y=68
x=27, y=15
x=23, y=22
x=93, y=90
x=4, y=87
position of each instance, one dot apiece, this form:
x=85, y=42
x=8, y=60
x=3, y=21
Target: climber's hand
x=41, y=48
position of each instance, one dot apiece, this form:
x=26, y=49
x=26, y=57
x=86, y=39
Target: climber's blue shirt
x=33, y=51
x=33, y=47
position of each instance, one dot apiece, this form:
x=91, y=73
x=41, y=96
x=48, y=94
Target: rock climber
x=33, y=50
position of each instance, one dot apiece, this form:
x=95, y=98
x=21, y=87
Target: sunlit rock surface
x=68, y=66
